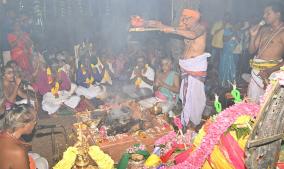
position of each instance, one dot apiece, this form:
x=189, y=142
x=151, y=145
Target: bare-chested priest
x=267, y=43
x=193, y=64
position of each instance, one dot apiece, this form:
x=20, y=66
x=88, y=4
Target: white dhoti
x=91, y=92
x=256, y=85
x=51, y=104
x=192, y=92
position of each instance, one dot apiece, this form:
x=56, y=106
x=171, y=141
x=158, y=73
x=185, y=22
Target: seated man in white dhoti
x=141, y=80
x=166, y=88
x=88, y=79
x=267, y=42
x=193, y=64
x=56, y=89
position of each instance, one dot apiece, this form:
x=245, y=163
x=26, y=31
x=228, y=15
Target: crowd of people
x=85, y=79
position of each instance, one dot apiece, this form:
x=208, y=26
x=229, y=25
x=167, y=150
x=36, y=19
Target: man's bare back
x=271, y=44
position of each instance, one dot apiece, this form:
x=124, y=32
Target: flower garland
x=49, y=75
x=103, y=160
x=223, y=121
x=166, y=138
x=55, y=88
x=68, y=160
x=89, y=80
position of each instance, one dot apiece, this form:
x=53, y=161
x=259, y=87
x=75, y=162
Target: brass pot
x=82, y=162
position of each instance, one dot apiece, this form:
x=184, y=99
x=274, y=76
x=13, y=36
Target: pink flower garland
x=177, y=122
x=166, y=138
x=223, y=121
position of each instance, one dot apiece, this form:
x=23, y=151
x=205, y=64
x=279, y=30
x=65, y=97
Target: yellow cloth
x=206, y=165
x=218, y=160
x=152, y=161
x=217, y=38
x=254, y=64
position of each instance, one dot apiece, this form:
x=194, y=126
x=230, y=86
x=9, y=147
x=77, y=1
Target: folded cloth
x=191, y=13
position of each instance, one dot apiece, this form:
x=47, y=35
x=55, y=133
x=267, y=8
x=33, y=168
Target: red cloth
x=280, y=165
x=32, y=163
x=20, y=53
x=42, y=86
x=231, y=148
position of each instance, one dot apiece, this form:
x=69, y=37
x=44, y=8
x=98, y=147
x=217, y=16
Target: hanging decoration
x=236, y=94
x=217, y=104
